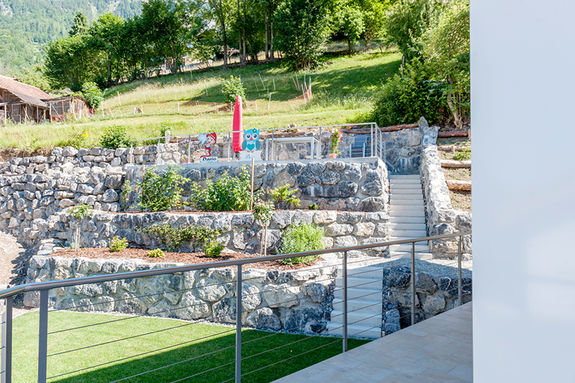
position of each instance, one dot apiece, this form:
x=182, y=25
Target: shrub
x=213, y=249
x=171, y=238
x=80, y=212
x=76, y=140
x=262, y=213
x=313, y=206
x=118, y=244
x=227, y=193
x=125, y=194
x=299, y=238
x=409, y=95
x=334, y=141
x=284, y=198
x=161, y=190
x=233, y=87
x=158, y=253
x=115, y=137
x=92, y=94
x=462, y=155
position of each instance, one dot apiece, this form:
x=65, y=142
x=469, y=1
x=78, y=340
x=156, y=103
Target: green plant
x=213, y=249
x=232, y=87
x=125, y=194
x=409, y=95
x=299, y=238
x=92, y=94
x=227, y=193
x=171, y=238
x=78, y=213
x=462, y=155
x=284, y=198
x=115, y=137
x=262, y=213
x=313, y=206
x=118, y=244
x=334, y=141
x=161, y=189
x=77, y=139
x=158, y=253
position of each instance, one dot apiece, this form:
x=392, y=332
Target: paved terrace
x=438, y=350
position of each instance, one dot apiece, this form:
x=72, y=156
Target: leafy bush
x=233, y=87
x=125, y=194
x=284, y=198
x=409, y=95
x=334, y=141
x=313, y=206
x=158, y=253
x=462, y=155
x=92, y=94
x=76, y=140
x=171, y=238
x=80, y=212
x=299, y=238
x=227, y=193
x=161, y=190
x=118, y=244
x=115, y=137
x=213, y=249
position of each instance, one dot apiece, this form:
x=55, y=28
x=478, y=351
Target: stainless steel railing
x=43, y=288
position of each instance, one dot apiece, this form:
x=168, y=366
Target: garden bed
x=174, y=257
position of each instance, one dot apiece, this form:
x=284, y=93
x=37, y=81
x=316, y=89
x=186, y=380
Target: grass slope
x=343, y=89
x=178, y=344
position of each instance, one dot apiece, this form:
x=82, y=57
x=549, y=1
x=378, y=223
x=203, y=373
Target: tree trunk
x=272, y=56
x=266, y=28
x=459, y=185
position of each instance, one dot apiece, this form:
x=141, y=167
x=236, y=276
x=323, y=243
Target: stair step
x=358, y=293
x=395, y=233
x=404, y=176
x=408, y=226
x=357, y=282
x=355, y=330
x=364, y=272
x=403, y=219
x=360, y=305
x=408, y=203
x=399, y=238
x=407, y=247
x=367, y=319
x=409, y=196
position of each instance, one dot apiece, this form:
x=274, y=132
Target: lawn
x=147, y=344
x=343, y=92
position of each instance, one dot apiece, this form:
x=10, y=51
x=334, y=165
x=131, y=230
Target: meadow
x=192, y=102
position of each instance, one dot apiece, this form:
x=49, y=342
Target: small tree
x=115, y=137
x=92, y=94
x=233, y=87
x=78, y=213
x=262, y=213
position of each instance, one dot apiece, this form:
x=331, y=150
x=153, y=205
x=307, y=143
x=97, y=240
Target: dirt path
x=10, y=250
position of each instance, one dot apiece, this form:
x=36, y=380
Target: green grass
x=343, y=91
x=173, y=345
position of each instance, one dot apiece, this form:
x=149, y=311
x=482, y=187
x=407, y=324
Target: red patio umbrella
x=237, y=126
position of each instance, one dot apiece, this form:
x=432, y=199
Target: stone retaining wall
x=292, y=301
x=360, y=184
x=441, y=217
x=239, y=232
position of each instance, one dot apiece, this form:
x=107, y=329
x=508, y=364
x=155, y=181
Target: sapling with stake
x=262, y=213
x=78, y=213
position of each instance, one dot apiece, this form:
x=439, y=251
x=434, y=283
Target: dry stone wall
x=238, y=230
x=291, y=300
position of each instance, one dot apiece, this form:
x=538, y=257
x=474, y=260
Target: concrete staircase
x=365, y=284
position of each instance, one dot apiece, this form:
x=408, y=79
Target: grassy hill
x=192, y=102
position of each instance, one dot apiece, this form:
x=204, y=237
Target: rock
x=191, y=307
x=110, y=196
x=434, y=304
x=424, y=283
x=264, y=319
x=210, y=290
x=316, y=292
x=251, y=298
x=280, y=296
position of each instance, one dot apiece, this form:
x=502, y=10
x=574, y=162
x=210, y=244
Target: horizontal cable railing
x=210, y=354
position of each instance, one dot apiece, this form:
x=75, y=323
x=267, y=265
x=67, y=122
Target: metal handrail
x=39, y=286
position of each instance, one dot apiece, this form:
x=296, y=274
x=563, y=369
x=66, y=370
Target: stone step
x=396, y=213
x=396, y=238
x=395, y=226
x=424, y=248
x=364, y=272
x=355, y=331
x=367, y=319
x=358, y=282
x=403, y=219
x=357, y=293
x=405, y=180
x=410, y=196
x=397, y=233
x=408, y=202
x=368, y=304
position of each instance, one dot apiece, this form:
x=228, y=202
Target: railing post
x=413, y=294
x=344, y=277
x=7, y=342
x=43, y=337
x=239, y=325
x=459, y=272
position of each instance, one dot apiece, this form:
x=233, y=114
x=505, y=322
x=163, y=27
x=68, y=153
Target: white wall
x=523, y=68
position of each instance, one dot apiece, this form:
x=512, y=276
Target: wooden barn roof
x=26, y=93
